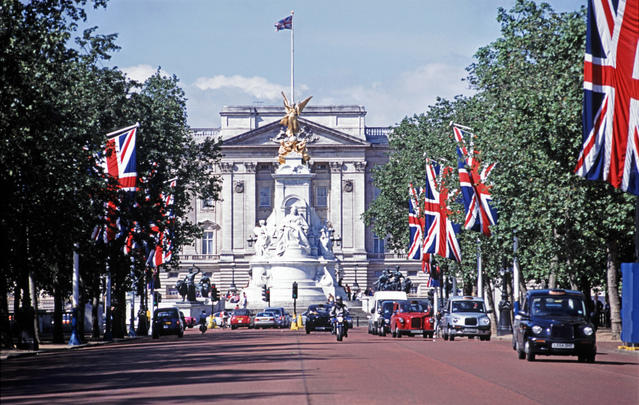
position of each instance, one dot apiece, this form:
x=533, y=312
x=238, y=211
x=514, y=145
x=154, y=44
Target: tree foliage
x=526, y=115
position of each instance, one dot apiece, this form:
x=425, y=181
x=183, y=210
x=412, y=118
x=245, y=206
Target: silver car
x=465, y=316
x=264, y=320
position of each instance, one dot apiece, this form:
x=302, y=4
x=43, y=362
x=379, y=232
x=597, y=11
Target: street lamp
x=356, y=284
x=251, y=240
x=233, y=278
x=337, y=240
x=504, y=326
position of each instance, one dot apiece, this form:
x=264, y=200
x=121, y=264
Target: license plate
x=563, y=345
x=240, y=321
x=166, y=326
x=417, y=331
x=471, y=330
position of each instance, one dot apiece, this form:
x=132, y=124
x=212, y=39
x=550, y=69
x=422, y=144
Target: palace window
x=264, y=197
x=207, y=243
x=378, y=244
x=321, y=196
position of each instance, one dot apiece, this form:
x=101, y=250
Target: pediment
x=319, y=135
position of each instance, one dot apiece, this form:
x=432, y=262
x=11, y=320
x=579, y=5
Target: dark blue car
x=554, y=322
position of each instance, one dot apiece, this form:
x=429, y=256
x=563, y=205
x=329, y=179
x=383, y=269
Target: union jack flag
x=440, y=232
x=119, y=162
x=416, y=226
x=610, y=149
x=284, y=24
x=472, y=179
x=163, y=250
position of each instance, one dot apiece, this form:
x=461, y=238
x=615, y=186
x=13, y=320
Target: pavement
x=603, y=335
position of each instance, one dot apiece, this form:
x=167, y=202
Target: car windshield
x=166, y=314
x=320, y=309
x=241, y=312
x=468, y=306
x=265, y=314
x=413, y=306
x=558, y=306
x=387, y=306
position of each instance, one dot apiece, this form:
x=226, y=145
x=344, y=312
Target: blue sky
x=393, y=57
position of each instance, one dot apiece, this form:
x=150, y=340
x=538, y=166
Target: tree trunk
x=491, y=304
x=58, y=302
x=95, y=307
x=5, y=328
x=613, y=289
x=34, y=295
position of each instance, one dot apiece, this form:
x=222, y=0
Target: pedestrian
x=331, y=299
x=348, y=292
x=244, y=300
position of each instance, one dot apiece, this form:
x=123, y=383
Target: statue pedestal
x=194, y=308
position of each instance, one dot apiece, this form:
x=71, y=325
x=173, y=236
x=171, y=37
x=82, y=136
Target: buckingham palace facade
x=343, y=153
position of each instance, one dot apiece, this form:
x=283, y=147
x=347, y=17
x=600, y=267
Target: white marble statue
x=325, y=243
x=293, y=232
x=263, y=239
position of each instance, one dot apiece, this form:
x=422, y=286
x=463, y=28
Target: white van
x=376, y=320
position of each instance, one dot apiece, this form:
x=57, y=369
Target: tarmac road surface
x=290, y=367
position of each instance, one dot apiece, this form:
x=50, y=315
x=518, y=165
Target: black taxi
x=554, y=322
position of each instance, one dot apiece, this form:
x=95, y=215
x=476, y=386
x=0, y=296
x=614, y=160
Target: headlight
x=484, y=321
x=456, y=320
x=386, y=320
x=401, y=320
x=537, y=329
x=588, y=331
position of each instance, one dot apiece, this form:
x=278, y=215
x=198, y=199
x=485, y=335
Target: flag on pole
x=284, y=24
x=440, y=234
x=163, y=250
x=610, y=150
x=416, y=226
x=119, y=162
x=480, y=214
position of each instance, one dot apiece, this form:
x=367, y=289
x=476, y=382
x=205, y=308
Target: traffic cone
x=294, y=325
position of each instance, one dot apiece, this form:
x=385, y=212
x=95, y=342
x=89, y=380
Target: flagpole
x=480, y=281
x=292, y=60
x=119, y=131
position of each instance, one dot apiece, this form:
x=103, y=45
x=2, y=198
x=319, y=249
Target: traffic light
x=264, y=293
x=268, y=295
x=214, y=295
x=294, y=290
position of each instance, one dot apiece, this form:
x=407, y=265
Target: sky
x=392, y=57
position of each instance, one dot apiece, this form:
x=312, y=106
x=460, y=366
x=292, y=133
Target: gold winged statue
x=291, y=143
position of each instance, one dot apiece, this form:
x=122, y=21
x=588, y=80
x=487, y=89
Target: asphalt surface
x=290, y=367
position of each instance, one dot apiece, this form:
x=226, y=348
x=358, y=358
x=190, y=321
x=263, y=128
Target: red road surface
x=288, y=367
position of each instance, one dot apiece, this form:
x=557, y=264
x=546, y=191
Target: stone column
x=359, y=206
x=250, y=209
x=226, y=212
x=335, y=207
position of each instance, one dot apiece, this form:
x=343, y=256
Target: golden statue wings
x=292, y=112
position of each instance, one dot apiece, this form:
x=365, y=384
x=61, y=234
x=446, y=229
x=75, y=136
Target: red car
x=241, y=317
x=412, y=318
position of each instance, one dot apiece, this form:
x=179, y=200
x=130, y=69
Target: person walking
x=244, y=300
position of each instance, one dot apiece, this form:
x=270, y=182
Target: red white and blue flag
x=480, y=214
x=610, y=150
x=416, y=227
x=119, y=162
x=163, y=250
x=440, y=233
x=284, y=24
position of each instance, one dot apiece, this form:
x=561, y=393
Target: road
x=289, y=367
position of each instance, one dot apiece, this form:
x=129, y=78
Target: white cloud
x=255, y=86
x=141, y=72
x=409, y=93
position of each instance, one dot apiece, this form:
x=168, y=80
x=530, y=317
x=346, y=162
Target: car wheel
x=530, y=356
x=444, y=334
x=233, y=327
x=382, y=331
x=451, y=337
x=393, y=332
x=397, y=332
x=308, y=331
x=520, y=353
x=181, y=334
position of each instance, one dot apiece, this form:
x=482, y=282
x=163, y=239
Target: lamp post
x=356, y=284
x=233, y=278
x=251, y=240
x=504, y=327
